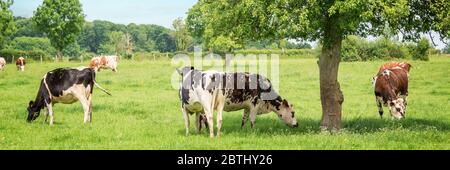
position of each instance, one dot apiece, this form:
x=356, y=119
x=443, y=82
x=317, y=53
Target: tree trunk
x=330, y=92
x=58, y=55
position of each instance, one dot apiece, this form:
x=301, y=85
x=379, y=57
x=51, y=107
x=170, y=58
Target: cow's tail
x=101, y=88
x=96, y=84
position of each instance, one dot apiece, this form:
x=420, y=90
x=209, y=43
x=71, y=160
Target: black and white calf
x=202, y=92
x=64, y=85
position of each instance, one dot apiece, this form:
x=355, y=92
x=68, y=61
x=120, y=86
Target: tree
x=165, y=43
x=61, y=20
x=117, y=40
x=32, y=44
x=26, y=28
x=328, y=21
x=88, y=39
x=72, y=51
x=7, y=25
x=181, y=35
x=421, y=50
x=128, y=44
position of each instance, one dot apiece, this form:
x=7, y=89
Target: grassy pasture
x=144, y=112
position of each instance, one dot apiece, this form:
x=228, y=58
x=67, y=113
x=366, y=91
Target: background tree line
x=30, y=37
x=96, y=37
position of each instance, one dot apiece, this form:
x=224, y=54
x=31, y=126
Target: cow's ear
x=31, y=103
x=285, y=103
x=179, y=71
x=192, y=68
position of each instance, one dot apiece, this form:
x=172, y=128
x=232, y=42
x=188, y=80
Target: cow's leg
x=380, y=106
x=253, y=117
x=198, y=122
x=208, y=108
x=50, y=112
x=219, y=116
x=89, y=102
x=209, y=119
x=84, y=103
x=204, y=120
x=46, y=115
x=245, y=117
x=186, y=119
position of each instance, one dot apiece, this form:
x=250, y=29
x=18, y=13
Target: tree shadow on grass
x=263, y=126
x=371, y=125
x=269, y=126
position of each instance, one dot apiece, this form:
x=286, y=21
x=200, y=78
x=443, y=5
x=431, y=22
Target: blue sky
x=159, y=12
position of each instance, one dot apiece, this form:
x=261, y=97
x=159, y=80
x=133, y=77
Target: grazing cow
x=391, y=90
x=64, y=85
x=20, y=63
x=202, y=92
x=104, y=62
x=2, y=64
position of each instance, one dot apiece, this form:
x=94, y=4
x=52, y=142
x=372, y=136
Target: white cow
x=104, y=62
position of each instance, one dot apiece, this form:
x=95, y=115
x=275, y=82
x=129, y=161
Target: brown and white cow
x=20, y=63
x=64, y=85
x=104, y=62
x=203, y=92
x=2, y=64
x=391, y=90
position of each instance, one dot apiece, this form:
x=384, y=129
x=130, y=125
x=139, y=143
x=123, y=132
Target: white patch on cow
x=72, y=94
x=397, y=108
x=112, y=62
x=387, y=72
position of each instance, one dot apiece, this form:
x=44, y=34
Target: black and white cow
x=202, y=92
x=64, y=85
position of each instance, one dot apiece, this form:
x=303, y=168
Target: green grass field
x=144, y=112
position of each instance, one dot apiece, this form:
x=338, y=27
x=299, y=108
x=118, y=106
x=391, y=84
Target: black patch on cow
x=184, y=95
x=245, y=86
x=191, y=78
x=276, y=103
x=62, y=79
x=39, y=103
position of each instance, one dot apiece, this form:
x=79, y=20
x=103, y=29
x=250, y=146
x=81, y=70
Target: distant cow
x=391, y=90
x=2, y=64
x=64, y=85
x=20, y=63
x=104, y=62
x=202, y=92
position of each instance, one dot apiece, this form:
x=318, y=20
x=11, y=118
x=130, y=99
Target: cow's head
x=33, y=113
x=183, y=71
x=287, y=114
x=397, y=108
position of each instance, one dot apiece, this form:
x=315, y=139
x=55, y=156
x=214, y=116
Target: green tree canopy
x=181, y=35
x=61, y=21
x=7, y=25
